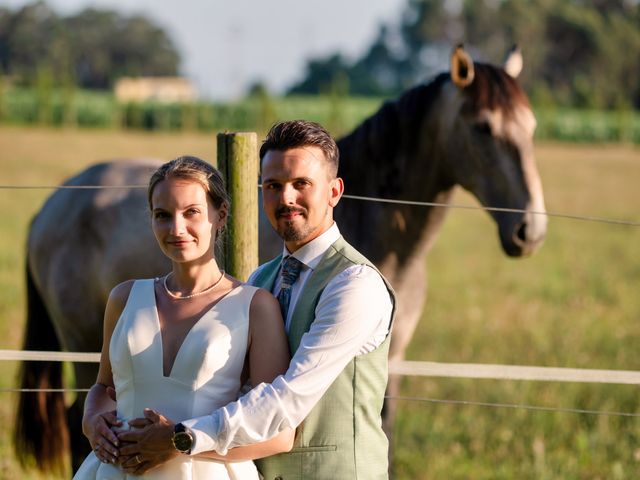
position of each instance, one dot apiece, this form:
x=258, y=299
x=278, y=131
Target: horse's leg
x=410, y=300
x=40, y=431
x=80, y=447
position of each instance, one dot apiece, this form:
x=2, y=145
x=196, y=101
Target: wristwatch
x=182, y=438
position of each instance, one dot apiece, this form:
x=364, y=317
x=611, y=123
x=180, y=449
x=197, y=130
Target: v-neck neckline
x=186, y=337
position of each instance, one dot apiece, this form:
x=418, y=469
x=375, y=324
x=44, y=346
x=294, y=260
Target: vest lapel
x=266, y=278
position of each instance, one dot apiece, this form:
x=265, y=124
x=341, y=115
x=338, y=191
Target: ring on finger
x=138, y=459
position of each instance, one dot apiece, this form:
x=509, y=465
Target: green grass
x=96, y=109
x=99, y=109
x=573, y=304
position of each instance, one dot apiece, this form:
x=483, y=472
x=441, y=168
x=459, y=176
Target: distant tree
x=5, y=20
x=379, y=71
x=143, y=48
x=266, y=115
x=428, y=27
x=28, y=39
x=258, y=89
x=579, y=52
x=321, y=75
x=92, y=47
x=91, y=34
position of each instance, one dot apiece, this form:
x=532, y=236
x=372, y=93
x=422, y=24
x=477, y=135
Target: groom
x=338, y=311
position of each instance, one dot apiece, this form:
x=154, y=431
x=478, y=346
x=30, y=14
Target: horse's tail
x=41, y=431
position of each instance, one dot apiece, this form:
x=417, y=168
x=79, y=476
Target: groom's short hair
x=302, y=133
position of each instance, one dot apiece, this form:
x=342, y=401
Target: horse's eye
x=482, y=128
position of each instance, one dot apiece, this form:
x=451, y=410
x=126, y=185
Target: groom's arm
x=267, y=357
x=352, y=317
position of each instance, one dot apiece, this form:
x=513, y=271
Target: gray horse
x=472, y=127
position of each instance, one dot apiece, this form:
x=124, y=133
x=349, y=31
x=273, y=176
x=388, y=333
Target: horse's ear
x=513, y=61
x=461, y=67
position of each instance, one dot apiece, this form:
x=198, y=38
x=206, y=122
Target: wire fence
x=444, y=401
x=570, y=216
x=407, y=368
x=469, y=403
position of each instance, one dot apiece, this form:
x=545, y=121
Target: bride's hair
x=194, y=169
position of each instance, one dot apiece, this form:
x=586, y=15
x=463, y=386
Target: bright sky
x=225, y=46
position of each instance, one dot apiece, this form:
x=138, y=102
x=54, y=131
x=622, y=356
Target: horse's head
x=489, y=129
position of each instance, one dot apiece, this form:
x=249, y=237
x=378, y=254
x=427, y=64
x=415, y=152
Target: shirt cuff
x=204, y=431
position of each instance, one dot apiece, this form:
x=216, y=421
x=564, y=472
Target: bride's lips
x=179, y=243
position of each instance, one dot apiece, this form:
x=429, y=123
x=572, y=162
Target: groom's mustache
x=285, y=210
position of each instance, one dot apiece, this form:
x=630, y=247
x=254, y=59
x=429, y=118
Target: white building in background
x=159, y=89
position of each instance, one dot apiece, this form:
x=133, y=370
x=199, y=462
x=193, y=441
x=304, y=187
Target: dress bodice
x=206, y=373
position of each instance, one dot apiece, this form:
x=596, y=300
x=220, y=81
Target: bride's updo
x=194, y=169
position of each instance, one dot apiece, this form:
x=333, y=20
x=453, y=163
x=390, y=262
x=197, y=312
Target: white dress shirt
x=352, y=317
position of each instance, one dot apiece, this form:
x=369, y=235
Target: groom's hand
x=148, y=444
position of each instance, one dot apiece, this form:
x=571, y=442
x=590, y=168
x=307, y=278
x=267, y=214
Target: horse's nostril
x=521, y=233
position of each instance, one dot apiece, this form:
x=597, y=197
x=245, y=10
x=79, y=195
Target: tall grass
x=91, y=109
x=573, y=304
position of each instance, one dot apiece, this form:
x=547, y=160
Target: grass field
x=573, y=304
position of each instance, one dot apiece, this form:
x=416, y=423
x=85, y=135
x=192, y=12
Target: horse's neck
x=394, y=154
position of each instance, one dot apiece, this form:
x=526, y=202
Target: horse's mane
x=375, y=154
x=494, y=89
x=374, y=145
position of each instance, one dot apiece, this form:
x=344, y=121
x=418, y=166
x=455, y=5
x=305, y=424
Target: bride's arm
x=99, y=407
x=268, y=356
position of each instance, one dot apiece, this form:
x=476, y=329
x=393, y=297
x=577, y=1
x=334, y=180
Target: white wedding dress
x=205, y=375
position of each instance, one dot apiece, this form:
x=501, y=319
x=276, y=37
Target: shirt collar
x=311, y=253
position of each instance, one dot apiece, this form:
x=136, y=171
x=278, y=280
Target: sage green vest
x=342, y=438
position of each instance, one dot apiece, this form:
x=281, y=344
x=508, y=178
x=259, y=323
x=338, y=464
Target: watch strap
x=182, y=438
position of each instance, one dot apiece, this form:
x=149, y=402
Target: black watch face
x=182, y=441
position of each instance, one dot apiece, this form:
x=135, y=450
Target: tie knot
x=291, y=268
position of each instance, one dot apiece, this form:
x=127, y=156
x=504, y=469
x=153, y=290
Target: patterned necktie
x=290, y=272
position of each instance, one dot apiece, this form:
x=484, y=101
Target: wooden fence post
x=238, y=163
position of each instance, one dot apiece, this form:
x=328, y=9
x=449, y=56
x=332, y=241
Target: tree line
x=90, y=49
x=579, y=53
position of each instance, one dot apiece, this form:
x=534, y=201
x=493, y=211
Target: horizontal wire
x=586, y=218
x=513, y=406
x=44, y=390
x=410, y=399
x=570, y=216
x=68, y=187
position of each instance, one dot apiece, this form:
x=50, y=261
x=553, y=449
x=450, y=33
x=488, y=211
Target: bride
x=182, y=345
